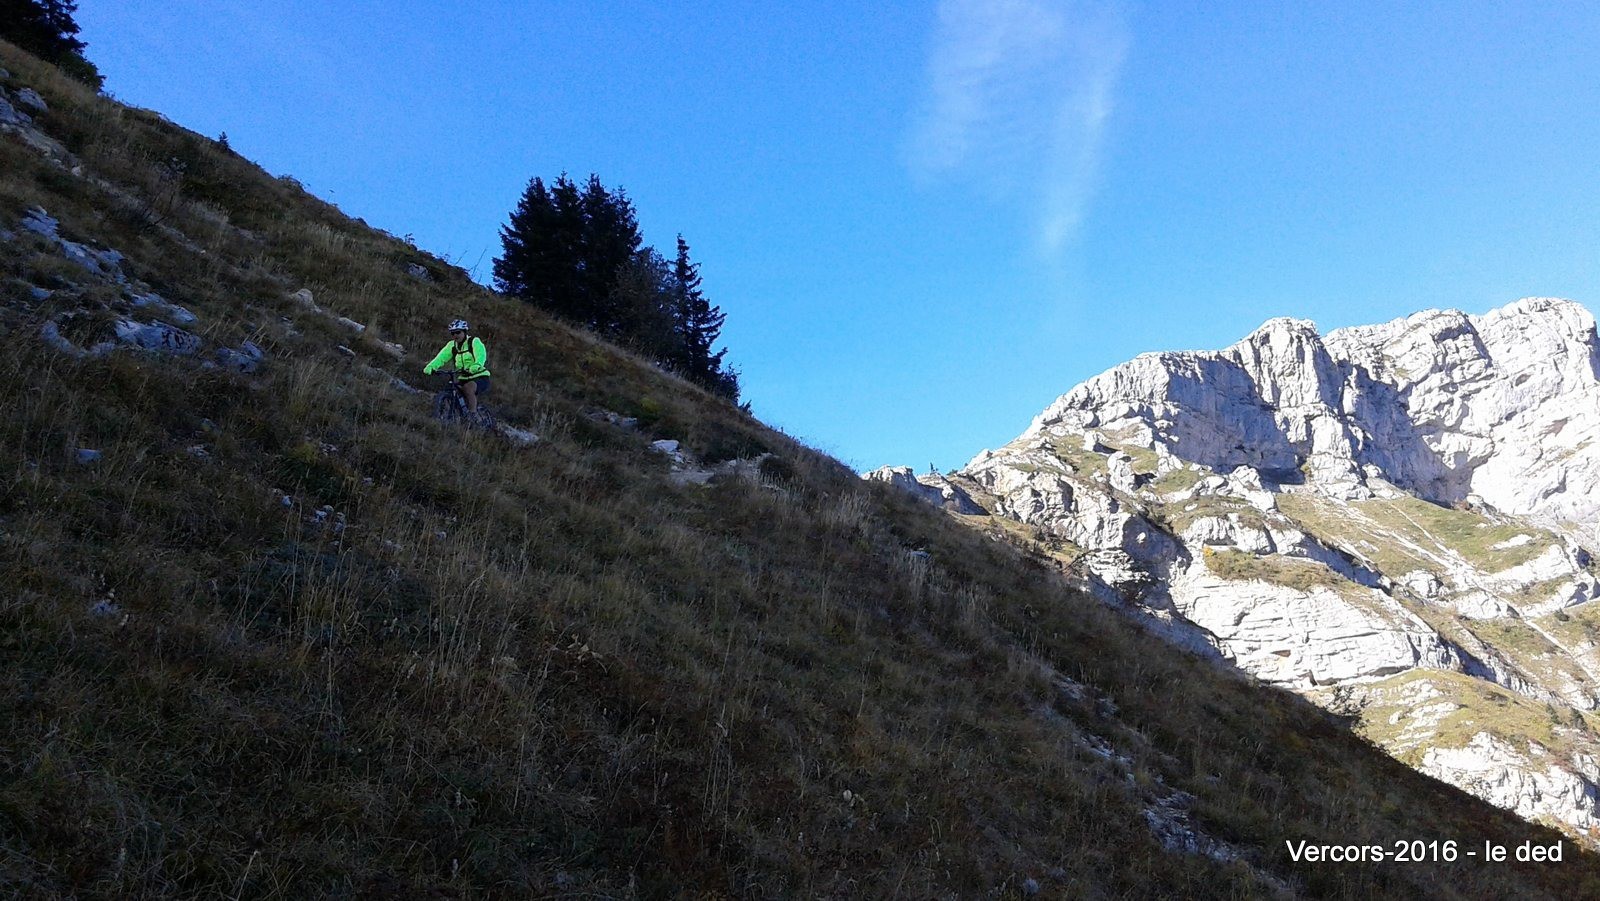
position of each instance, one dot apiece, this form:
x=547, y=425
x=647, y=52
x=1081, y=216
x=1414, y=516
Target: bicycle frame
x=450, y=405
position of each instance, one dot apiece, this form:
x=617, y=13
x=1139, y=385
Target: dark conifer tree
x=46, y=29
x=564, y=279
x=565, y=249
x=642, y=302
x=610, y=243
x=727, y=385
x=578, y=253
x=523, y=244
x=541, y=260
x=699, y=324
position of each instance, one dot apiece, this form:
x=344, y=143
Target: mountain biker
x=466, y=356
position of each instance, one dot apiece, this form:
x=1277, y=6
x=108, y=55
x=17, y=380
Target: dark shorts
x=482, y=383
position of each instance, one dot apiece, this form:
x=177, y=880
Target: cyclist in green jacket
x=466, y=357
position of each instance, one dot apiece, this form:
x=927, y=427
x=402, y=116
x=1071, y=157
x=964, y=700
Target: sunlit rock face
x=931, y=487
x=1504, y=406
x=1334, y=511
x=1444, y=405
x=1526, y=781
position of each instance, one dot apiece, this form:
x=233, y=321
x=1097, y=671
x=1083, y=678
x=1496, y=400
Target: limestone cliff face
x=1443, y=405
x=1505, y=406
x=1339, y=512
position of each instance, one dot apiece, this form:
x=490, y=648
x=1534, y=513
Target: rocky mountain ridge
x=1396, y=520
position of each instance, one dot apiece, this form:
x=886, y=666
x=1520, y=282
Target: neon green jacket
x=468, y=360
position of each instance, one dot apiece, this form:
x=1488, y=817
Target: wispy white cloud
x=1018, y=96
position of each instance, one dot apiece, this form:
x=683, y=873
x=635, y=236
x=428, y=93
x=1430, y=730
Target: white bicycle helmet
x=459, y=325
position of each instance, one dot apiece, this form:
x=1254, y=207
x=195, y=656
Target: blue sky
x=926, y=220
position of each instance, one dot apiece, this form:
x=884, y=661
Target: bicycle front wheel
x=446, y=408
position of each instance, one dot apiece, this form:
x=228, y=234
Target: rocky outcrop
x=1446, y=406
x=16, y=119
x=1502, y=406
x=29, y=98
x=106, y=327
x=931, y=487
x=10, y=115
x=1326, y=511
x=1532, y=783
x=103, y=263
x=1306, y=637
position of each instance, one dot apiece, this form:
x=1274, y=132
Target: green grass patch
x=1471, y=535
x=1085, y=464
x=1145, y=460
x=1176, y=480
x=1576, y=626
x=1514, y=637
x=1336, y=526
x=1530, y=651
x=1290, y=572
x=1479, y=707
x=1182, y=514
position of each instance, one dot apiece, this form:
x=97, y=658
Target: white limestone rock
x=104, y=263
x=304, y=298
x=1073, y=508
x=901, y=477
x=1504, y=406
x=14, y=119
x=520, y=436
x=10, y=114
x=931, y=487
x=245, y=359
x=1311, y=637
x=1422, y=583
x=1230, y=531
x=157, y=336
x=50, y=333
x=1498, y=772
x=1480, y=605
x=176, y=313
x=1495, y=416
x=1120, y=474
x=1268, y=402
x=30, y=98
x=1501, y=406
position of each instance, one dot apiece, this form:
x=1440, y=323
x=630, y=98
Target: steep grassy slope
x=455, y=665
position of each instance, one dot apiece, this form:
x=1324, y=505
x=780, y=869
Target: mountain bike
x=450, y=406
